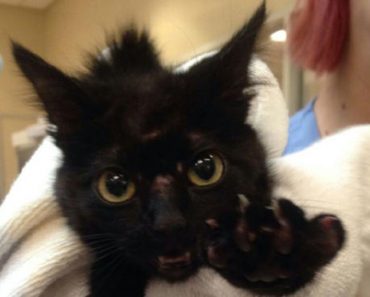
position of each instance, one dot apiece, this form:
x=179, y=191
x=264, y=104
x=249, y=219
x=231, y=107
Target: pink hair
x=318, y=33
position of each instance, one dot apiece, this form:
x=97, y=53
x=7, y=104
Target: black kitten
x=160, y=174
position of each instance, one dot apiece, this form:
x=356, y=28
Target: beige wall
x=27, y=27
x=180, y=28
x=66, y=29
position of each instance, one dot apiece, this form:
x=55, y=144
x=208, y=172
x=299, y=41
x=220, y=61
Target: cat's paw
x=272, y=250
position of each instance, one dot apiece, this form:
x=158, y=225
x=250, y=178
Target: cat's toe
x=244, y=235
x=325, y=237
x=218, y=255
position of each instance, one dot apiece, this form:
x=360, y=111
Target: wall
x=180, y=28
x=27, y=27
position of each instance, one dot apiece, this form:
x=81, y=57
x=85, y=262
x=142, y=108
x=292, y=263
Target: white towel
x=41, y=256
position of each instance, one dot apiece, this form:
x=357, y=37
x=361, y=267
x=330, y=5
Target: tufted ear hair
x=133, y=51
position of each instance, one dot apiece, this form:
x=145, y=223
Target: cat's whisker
x=106, y=253
x=100, y=240
x=100, y=259
x=110, y=264
x=101, y=244
x=97, y=235
x=109, y=267
x=98, y=244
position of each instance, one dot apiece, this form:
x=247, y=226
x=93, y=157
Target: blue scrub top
x=303, y=130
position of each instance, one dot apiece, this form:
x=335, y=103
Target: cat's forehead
x=146, y=104
x=137, y=84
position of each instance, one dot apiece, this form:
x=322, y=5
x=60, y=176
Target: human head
x=318, y=31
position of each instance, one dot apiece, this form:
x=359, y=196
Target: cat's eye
x=206, y=169
x=115, y=187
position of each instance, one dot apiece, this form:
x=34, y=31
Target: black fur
x=132, y=113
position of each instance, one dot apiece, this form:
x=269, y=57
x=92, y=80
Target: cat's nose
x=169, y=223
x=167, y=215
x=168, y=218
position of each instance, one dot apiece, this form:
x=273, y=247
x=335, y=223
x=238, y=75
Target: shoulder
x=303, y=129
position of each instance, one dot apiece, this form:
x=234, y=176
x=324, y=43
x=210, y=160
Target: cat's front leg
x=114, y=278
x=275, y=250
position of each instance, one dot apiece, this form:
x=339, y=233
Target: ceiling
x=38, y=4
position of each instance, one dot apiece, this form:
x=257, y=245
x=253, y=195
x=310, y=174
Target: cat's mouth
x=176, y=267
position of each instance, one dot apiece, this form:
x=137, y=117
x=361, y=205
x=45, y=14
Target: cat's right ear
x=58, y=93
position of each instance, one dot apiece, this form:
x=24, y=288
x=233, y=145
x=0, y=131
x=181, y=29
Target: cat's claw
x=273, y=250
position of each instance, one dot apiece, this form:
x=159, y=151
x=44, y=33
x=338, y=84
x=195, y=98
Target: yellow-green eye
x=115, y=187
x=206, y=169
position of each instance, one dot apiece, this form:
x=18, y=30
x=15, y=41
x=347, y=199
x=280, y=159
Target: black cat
x=160, y=174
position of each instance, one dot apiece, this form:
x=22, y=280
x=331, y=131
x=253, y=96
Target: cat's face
x=150, y=155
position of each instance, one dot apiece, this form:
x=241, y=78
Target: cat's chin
x=176, y=268
x=177, y=274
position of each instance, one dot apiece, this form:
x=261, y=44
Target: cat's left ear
x=225, y=74
x=57, y=92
